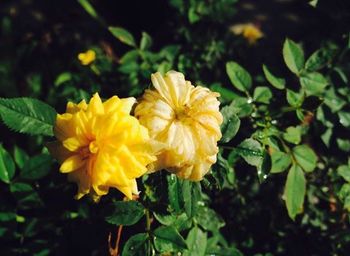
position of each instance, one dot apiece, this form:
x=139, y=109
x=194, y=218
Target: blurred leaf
x=294, y=192
x=321, y=58
x=343, y=144
x=146, y=41
x=251, y=152
x=26, y=196
x=344, y=171
x=62, y=78
x=293, y=134
x=7, y=166
x=191, y=195
x=294, y=99
x=239, y=77
x=314, y=83
x=7, y=216
x=278, y=83
x=230, y=124
x=168, y=239
x=225, y=94
x=280, y=161
x=136, y=245
x=126, y=213
x=196, y=242
x=305, y=157
x=293, y=56
x=123, y=35
x=37, y=167
x=344, y=118
x=26, y=115
x=20, y=156
x=208, y=219
x=262, y=94
x=88, y=8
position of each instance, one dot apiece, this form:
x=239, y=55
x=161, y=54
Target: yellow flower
x=249, y=31
x=87, y=57
x=186, y=119
x=101, y=146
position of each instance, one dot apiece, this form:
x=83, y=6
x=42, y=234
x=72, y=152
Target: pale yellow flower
x=101, y=146
x=186, y=119
x=87, y=57
x=249, y=31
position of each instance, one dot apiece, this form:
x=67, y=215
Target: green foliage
x=293, y=56
x=123, y=35
x=126, y=213
x=239, y=77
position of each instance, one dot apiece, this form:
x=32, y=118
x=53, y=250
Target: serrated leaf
x=277, y=82
x=191, y=192
x=262, y=94
x=37, y=167
x=230, y=124
x=280, y=161
x=7, y=166
x=123, y=35
x=168, y=239
x=295, y=190
x=314, y=83
x=305, y=157
x=136, y=245
x=293, y=56
x=196, y=242
x=26, y=115
x=239, y=77
x=126, y=213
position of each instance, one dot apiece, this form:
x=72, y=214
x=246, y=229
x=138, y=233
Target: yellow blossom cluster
x=101, y=145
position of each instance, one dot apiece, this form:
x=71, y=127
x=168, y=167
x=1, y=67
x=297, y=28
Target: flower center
x=86, y=151
x=182, y=113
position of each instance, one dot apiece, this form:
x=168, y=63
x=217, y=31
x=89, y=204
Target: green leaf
x=191, y=195
x=123, y=35
x=208, y=219
x=344, y=118
x=242, y=106
x=7, y=166
x=196, y=242
x=344, y=171
x=146, y=41
x=293, y=134
x=314, y=83
x=126, y=213
x=293, y=56
x=20, y=156
x=239, y=77
x=230, y=124
x=175, y=193
x=277, y=82
x=37, y=167
x=262, y=94
x=294, y=192
x=168, y=239
x=88, y=8
x=62, y=78
x=343, y=144
x=305, y=157
x=26, y=115
x=280, y=161
x=226, y=95
x=321, y=58
x=251, y=152
x=136, y=245
x=294, y=99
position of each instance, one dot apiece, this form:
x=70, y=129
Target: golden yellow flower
x=87, y=57
x=101, y=146
x=186, y=119
x=249, y=31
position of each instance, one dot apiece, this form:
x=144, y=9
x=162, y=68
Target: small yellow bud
x=87, y=57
